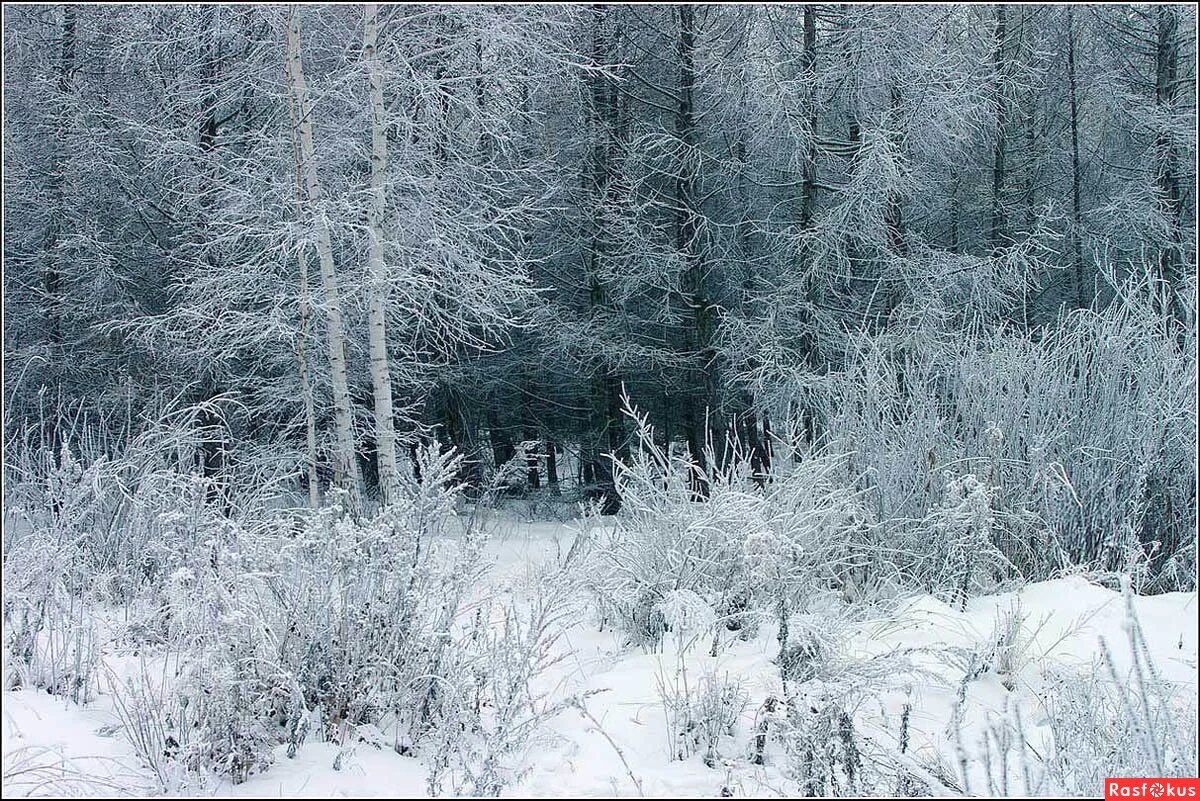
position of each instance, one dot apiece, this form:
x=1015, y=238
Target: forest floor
x=622, y=747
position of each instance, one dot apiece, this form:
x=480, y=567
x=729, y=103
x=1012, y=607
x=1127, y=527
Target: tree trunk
x=605, y=433
x=998, y=230
x=345, y=463
x=502, y=446
x=533, y=467
x=381, y=379
x=310, y=416
x=551, y=465
x=1076, y=216
x=700, y=417
x=808, y=66
x=52, y=278
x=306, y=391
x=460, y=436
x=211, y=427
x=1170, y=195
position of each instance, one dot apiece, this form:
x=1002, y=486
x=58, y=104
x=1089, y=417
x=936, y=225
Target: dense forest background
x=937, y=238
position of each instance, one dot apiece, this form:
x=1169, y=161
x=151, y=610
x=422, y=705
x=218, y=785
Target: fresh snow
x=53, y=747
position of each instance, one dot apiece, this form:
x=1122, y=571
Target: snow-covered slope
x=620, y=741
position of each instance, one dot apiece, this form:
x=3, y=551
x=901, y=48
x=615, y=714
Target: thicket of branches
x=480, y=226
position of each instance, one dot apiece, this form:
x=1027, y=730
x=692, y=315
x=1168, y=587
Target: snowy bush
x=823, y=749
x=321, y=630
x=700, y=714
x=1081, y=436
x=962, y=533
x=492, y=708
x=749, y=549
x=272, y=627
x=811, y=727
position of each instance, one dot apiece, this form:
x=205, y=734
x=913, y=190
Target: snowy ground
x=51, y=746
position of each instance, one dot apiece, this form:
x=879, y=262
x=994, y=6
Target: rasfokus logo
x=1152, y=788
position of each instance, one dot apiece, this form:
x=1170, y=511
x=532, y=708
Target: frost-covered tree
x=522, y=213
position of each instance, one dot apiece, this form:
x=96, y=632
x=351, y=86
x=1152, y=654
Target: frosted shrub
x=686, y=613
x=211, y=722
x=1007, y=650
x=750, y=548
x=361, y=613
x=482, y=728
x=51, y=555
x=811, y=730
x=151, y=727
x=822, y=746
x=962, y=529
x=1081, y=432
x=700, y=715
x=124, y=512
x=804, y=649
x=50, y=636
x=92, y=525
x=348, y=630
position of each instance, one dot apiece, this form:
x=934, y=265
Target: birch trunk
x=385, y=431
x=345, y=464
x=310, y=416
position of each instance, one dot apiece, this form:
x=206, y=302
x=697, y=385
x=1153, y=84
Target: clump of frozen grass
x=49, y=629
x=1004, y=651
x=805, y=648
x=1103, y=722
x=751, y=547
x=277, y=626
x=702, y=714
x=39, y=771
x=962, y=529
x=494, y=704
x=99, y=521
x=811, y=729
x=52, y=644
x=700, y=711
x=141, y=707
x=1121, y=723
x=823, y=750
x=990, y=401
x=684, y=612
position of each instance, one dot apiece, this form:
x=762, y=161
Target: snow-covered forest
x=562, y=399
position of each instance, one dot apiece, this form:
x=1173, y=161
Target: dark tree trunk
x=998, y=231
x=1081, y=299
x=457, y=435
x=701, y=420
x=502, y=446
x=533, y=470
x=605, y=434
x=52, y=279
x=1170, y=195
x=551, y=464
